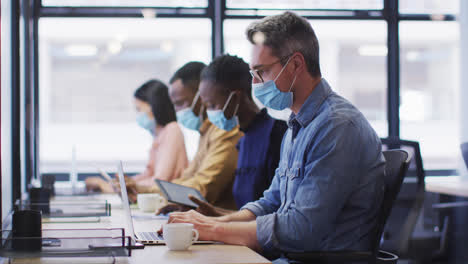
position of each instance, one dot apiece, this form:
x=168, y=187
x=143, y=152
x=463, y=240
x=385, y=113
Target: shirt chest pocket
x=294, y=177
x=290, y=179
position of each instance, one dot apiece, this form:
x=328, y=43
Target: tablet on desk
x=176, y=193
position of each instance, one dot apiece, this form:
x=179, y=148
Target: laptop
x=146, y=238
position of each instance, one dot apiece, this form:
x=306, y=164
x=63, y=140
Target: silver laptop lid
x=125, y=203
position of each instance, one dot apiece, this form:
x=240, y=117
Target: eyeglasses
x=257, y=73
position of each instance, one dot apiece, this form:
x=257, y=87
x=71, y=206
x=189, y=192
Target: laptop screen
x=125, y=202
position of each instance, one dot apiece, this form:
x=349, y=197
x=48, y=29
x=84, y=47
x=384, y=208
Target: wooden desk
x=450, y=185
x=155, y=254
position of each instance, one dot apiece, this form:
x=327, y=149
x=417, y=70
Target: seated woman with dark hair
x=167, y=157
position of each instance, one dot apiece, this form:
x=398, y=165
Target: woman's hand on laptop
x=99, y=185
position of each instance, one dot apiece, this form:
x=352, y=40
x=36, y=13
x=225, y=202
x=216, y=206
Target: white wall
x=6, y=107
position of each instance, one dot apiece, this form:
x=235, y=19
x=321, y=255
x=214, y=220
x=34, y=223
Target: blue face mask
x=145, y=122
x=188, y=119
x=218, y=118
x=270, y=96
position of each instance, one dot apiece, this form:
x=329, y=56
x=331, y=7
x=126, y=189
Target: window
x=89, y=69
x=429, y=109
x=430, y=6
x=6, y=84
x=127, y=3
x=352, y=58
x=305, y=4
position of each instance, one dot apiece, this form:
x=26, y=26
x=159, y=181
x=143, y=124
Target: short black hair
x=285, y=34
x=231, y=72
x=156, y=93
x=189, y=74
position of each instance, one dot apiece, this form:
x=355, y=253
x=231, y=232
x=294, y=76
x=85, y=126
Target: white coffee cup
x=149, y=202
x=179, y=236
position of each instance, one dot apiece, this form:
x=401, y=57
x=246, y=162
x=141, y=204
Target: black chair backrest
x=416, y=167
x=409, y=202
x=464, y=150
x=397, y=162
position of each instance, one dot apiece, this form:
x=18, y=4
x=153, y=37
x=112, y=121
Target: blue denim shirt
x=328, y=188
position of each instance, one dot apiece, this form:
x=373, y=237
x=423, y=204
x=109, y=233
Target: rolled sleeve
x=267, y=239
x=255, y=208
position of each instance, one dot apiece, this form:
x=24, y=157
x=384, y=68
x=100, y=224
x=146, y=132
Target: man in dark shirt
x=226, y=86
x=259, y=152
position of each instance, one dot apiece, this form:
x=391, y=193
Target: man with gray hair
x=328, y=188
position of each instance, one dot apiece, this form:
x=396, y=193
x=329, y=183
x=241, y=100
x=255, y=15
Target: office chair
x=417, y=230
x=464, y=150
x=406, y=212
x=395, y=170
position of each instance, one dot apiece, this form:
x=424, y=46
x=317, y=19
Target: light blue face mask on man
x=188, y=118
x=270, y=96
x=145, y=122
x=218, y=118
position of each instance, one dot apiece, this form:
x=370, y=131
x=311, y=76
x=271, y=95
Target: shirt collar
x=311, y=105
x=258, y=117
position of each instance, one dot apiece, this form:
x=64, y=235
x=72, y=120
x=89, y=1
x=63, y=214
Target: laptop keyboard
x=149, y=236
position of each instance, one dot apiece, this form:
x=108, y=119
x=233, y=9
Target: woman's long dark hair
x=155, y=93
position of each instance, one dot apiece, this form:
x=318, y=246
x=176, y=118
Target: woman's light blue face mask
x=269, y=94
x=218, y=118
x=188, y=118
x=144, y=121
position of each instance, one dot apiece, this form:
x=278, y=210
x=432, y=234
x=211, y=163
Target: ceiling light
x=114, y=47
x=81, y=50
x=148, y=13
x=373, y=50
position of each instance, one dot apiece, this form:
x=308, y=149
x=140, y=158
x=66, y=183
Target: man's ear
x=298, y=62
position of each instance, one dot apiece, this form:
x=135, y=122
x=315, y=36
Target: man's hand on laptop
x=203, y=224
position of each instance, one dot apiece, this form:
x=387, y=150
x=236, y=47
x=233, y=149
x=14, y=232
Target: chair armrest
x=330, y=256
